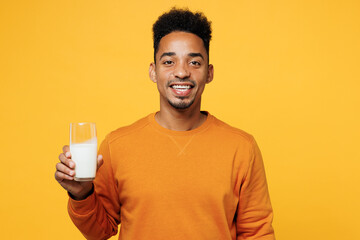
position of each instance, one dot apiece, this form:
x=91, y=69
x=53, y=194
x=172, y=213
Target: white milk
x=84, y=155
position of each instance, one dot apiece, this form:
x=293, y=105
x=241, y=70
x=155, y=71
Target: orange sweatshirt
x=206, y=183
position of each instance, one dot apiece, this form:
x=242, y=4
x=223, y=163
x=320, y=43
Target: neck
x=180, y=120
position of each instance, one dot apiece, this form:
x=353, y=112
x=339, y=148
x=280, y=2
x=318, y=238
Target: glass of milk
x=83, y=149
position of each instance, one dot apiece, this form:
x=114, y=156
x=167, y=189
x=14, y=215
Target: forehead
x=181, y=43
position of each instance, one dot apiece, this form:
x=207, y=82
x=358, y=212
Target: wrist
x=82, y=195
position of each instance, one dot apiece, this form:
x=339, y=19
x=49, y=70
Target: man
x=179, y=173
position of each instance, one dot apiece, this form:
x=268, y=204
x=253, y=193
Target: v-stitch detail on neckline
x=181, y=148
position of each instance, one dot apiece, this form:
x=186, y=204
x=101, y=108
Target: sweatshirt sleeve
x=254, y=213
x=97, y=216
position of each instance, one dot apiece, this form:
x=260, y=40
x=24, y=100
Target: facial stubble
x=182, y=104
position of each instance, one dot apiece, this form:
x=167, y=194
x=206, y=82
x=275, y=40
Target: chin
x=181, y=105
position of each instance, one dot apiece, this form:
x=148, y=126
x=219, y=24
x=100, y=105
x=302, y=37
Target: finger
x=67, y=161
x=66, y=149
x=100, y=161
x=60, y=176
x=60, y=167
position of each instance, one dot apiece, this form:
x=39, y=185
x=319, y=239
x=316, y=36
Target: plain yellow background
x=285, y=71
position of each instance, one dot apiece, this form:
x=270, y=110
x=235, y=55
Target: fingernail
x=67, y=154
x=100, y=157
x=71, y=164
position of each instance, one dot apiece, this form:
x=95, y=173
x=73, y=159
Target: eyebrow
x=167, y=54
x=173, y=53
x=196, y=55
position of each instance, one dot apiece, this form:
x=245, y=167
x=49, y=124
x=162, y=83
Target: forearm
x=257, y=228
x=90, y=217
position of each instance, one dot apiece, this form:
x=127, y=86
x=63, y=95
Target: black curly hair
x=182, y=20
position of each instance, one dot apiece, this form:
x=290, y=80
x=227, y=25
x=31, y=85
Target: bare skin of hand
x=65, y=173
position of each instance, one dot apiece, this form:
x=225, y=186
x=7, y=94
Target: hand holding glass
x=83, y=149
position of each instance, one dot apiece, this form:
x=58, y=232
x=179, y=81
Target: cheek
x=163, y=77
x=161, y=85
x=202, y=78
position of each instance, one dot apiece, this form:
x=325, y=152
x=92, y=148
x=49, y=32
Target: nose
x=181, y=71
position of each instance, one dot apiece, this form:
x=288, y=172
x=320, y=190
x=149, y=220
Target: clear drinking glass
x=83, y=149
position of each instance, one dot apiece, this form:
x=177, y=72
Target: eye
x=167, y=62
x=195, y=63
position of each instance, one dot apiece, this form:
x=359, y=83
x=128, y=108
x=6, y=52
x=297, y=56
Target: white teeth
x=181, y=87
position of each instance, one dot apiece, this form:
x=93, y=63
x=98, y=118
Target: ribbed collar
x=202, y=127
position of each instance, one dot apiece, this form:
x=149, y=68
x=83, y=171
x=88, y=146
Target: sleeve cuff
x=82, y=207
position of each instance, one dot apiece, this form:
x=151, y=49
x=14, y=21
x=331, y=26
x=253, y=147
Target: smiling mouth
x=182, y=87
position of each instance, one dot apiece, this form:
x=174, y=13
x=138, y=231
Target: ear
x=152, y=72
x=210, y=73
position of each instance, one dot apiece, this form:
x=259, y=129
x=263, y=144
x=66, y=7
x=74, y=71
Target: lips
x=181, y=88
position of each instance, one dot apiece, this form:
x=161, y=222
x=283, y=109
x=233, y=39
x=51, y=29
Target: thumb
x=100, y=161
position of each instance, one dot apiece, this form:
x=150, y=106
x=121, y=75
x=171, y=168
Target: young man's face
x=181, y=70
